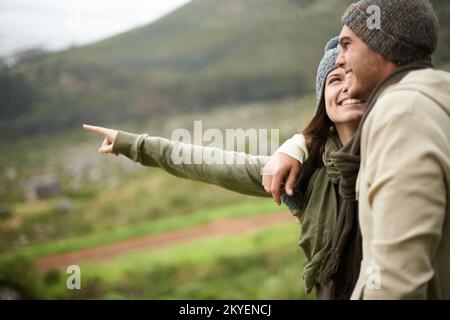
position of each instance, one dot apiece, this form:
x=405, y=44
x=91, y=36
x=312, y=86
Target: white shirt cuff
x=295, y=147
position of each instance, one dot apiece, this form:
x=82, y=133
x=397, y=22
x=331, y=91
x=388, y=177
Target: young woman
x=314, y=200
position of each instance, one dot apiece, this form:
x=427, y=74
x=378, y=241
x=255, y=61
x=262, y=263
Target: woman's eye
x=333, y=80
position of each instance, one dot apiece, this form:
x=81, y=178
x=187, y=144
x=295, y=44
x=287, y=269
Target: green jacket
x=318, y=204
x=157, y=152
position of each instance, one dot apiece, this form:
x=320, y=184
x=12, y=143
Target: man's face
x=363, y=67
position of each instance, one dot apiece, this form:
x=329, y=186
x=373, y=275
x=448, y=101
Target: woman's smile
x=350, y=102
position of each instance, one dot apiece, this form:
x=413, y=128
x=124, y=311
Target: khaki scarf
x=315, y=203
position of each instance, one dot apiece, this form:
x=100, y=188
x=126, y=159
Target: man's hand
x=109, y=136
x=275, y=172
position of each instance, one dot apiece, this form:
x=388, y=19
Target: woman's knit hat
x=326, y=65
x=407, y=31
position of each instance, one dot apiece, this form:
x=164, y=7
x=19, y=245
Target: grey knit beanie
x=326, y=65
x=408, y=28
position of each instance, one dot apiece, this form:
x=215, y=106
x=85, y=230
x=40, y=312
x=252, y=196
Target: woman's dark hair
x=317, y=132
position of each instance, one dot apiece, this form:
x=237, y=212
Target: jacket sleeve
x=406, y=194
x=235, y=171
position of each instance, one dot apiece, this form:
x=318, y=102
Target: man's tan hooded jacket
x=404, y=191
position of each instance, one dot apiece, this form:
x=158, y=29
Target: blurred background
x=151, y=66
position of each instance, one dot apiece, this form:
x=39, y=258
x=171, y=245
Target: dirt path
x=106, y=252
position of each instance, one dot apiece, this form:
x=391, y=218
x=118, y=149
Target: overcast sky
x=56, y=24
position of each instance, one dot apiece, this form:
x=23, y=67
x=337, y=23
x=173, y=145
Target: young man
x=401, y=152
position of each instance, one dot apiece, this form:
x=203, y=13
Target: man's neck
x=384, y=71
x=388, y=69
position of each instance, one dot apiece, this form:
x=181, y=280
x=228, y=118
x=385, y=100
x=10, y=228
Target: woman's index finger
x=99, y=130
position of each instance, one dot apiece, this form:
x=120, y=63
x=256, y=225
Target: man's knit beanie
x=402, y=31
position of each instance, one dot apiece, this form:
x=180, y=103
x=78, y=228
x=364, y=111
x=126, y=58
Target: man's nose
x=340, y=61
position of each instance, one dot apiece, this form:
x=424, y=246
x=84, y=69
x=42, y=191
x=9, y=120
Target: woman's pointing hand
x=109, y=136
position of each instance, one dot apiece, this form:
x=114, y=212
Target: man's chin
x=359, y=92
x=355, y=92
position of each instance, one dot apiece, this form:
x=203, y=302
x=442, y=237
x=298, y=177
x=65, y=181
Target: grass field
x=113, y=199
x=263, y=265
x=266, y=264
x=161, y=225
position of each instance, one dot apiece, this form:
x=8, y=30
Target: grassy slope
x=222, y=38
x=205, y=54
x=265, y=264
x=262, y=265
x=112, y=192
x=216, y=39
x=271, y=269
x=161, y=225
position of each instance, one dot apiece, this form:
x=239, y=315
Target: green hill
x=206, y=53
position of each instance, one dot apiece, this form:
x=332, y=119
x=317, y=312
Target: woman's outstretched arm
x=235, y=171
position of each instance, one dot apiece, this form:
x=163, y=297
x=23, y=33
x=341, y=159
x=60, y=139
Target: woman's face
x=340, y=109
